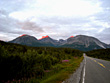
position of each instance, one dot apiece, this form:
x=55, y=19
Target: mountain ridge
x=81, y=42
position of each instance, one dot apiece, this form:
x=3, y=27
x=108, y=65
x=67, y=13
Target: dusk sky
x=59, y=19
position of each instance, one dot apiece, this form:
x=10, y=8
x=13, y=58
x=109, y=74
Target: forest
x=100, y=53
x=20, y=62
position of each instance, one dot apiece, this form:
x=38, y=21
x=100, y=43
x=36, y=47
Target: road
x=95, y=70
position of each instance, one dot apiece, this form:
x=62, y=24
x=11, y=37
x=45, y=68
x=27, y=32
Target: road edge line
x=83, y=79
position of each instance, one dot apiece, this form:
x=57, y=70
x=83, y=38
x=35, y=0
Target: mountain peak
x=25, y=40
x=71, y=36
x=44, y=37
x=22, y=35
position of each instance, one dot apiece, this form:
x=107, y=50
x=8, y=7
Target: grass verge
x=62, y=71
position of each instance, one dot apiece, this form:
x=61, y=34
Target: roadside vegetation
x=62, y=71
x=25, y=64
x=100, y=53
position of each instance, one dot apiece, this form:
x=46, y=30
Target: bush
x=18, y=61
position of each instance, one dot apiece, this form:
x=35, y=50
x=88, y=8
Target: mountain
x=109, y=45
x=81, y=42
x=26, y=40
x=61, y=41
x=48, y=41
x=84, y=43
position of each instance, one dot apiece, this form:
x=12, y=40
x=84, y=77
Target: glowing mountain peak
x=71, y=36
x=22, y=35
x=44, y=37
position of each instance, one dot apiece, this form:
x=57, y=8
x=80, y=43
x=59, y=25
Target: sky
x=59, y=19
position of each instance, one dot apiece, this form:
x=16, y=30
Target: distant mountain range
x=81, y=42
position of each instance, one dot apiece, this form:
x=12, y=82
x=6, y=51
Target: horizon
x=46, y=36
x=57, y=18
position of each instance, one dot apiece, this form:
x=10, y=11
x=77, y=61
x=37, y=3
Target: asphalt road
x=95, y=70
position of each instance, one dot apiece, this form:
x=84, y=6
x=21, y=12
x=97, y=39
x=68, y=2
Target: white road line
x=84, y=71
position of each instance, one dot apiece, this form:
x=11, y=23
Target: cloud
x=9, y=27
x=28, y=25
x=64, y=20
x=14, y=5
x=56, y=18
x=6, y=23
x=104, y=35
x=65, y=8
x=105, y=3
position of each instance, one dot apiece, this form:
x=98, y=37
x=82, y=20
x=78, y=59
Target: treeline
x=23, y=62
x=100, y=53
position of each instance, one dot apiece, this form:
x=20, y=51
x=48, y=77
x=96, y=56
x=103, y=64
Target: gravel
x=76, y=76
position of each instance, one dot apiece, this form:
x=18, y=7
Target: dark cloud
x=27, y=25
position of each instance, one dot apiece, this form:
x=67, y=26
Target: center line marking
x=95, y=60
x=101, y=64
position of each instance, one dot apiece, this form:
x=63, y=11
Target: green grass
x=63, y=72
